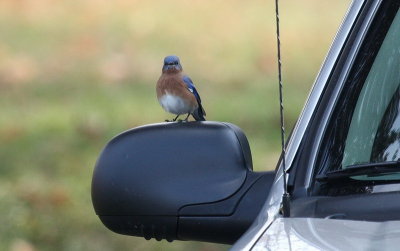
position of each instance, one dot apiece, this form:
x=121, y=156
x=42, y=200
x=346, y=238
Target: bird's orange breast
x=174, y=85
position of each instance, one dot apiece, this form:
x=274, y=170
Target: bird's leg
x=187, y=117
x=167, y=120
x=177, y=116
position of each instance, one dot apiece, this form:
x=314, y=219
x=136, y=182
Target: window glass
x=374, y=133
x=365, y=125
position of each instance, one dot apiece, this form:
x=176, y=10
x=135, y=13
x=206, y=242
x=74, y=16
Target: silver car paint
x=328, y=234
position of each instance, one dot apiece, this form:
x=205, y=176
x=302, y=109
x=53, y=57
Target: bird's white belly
x=174, y=104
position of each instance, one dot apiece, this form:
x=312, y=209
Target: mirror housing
x=179, y=181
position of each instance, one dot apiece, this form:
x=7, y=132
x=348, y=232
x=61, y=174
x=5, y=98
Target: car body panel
x=329, y=234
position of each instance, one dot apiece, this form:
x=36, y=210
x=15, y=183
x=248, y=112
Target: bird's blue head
x=172, y=64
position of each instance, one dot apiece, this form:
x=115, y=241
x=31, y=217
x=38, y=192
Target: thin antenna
x=285, y=209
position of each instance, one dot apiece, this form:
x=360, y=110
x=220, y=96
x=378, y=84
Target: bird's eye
x=176, y=63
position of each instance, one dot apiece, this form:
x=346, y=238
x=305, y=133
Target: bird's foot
x=176, y=118
x=187, y=118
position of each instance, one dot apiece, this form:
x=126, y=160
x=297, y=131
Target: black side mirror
x=179, y=181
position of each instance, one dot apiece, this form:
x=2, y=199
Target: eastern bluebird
x=176, y=92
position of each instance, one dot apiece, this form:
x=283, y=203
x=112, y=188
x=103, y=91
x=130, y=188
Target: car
x=341, y=186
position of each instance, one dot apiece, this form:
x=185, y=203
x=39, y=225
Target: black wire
x=278, y=40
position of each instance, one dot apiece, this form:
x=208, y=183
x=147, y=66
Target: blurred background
x=74, y=73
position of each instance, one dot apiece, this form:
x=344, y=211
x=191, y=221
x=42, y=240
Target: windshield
x=364, y=132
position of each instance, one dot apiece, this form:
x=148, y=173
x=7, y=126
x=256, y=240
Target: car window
x=364, y=127
x=374, y=133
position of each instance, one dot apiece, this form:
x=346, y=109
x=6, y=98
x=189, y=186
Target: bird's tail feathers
x=199, y=113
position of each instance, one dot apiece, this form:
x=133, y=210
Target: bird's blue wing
x=191, y=88
x=200, y=112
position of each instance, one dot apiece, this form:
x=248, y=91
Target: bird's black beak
x=167, y=67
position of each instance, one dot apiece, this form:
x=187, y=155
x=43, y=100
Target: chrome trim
x=270, y=210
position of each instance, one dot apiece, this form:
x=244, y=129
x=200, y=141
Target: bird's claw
x=178, y=121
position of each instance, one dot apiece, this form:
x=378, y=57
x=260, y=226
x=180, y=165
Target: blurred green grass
x=75, y=73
